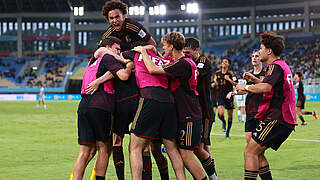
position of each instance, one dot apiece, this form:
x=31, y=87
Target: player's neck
x=271, y=59
x=197, y=57
x=224, y=70
x=257, y=69
x=176, y=55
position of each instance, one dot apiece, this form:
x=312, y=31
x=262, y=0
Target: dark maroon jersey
x=224, y=86
x=130, y=32
x=253, y=100
x=300, y=91
x=185, y=97
x=275, y=77
x=204, y=86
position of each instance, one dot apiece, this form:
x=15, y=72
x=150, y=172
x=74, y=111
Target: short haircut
x=255, y=50
x=273, y=41
x=176, y=39
x=228, y=59
x=193, y=43
x=112, y=5
x=109, y=41
x=299, y=74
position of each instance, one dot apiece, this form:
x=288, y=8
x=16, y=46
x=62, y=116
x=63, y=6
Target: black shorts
x=300, y=103
x=124, y=114
x=227, y=103
x=189, y=135
x=206, y=130
x=271, y=134
x=155, y=119
x=93, y=125
x=251, y=123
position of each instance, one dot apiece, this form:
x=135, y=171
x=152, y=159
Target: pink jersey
x=144, y=78
x=90, y=74
x=289, y=103
x=192, y=82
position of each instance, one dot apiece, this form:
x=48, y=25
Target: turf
x=42, y=144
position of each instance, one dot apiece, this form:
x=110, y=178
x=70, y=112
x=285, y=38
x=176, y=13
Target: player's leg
x=160, y=159
x=299, y=113
x=147, y=163
x=230, y=113
x=44, y=104
x=264, y=170
x=104, y=152
x=221, y=117
x=118, y=157
x=243, y=111
x=251, y=156
x=137, y=145
x=81, y=161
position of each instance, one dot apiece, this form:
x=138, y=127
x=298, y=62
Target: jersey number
x=289, y=79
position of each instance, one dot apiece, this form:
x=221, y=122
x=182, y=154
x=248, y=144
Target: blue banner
x=310, y=97
x=61, y=97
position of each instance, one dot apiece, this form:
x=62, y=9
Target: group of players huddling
x=128, y=87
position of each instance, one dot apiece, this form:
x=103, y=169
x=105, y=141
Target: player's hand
x=229, y=95
x=248, y=76
x=150, y=47
x=138, y=49
x=241, y=87
x=130, y=65
x=92, y=87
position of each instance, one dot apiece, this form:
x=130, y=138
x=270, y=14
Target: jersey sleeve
x=204, y=66
x=274, y=75
x=177, y=69
x=111, y=64
x=138, y=30
x=129, y=55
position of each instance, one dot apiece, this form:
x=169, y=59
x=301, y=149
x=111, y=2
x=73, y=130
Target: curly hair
x=176, y=39
x=112, y=5
x=273, y=41
x=299, y=74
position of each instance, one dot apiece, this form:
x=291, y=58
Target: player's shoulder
x=108, y=32
x=231, y=72
x=132, y=25
x=218, y=71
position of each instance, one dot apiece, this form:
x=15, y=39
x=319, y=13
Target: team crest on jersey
x=142, y=34
x=200, y=65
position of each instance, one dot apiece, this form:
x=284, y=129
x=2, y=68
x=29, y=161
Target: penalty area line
x=239, y=135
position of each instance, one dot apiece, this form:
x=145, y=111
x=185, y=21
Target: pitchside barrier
x=65, y=97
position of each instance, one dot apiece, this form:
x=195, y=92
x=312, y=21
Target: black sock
x=265, y=173
x=208, y=166
x=301, y=118
x=308, y=113
x=147, y=166
x=229, y=124
x=164, y=174
x=222, y=119
x=100, y=177
x=250, y=175
x=118, y=161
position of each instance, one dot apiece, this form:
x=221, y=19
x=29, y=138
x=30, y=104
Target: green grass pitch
x=42, y=144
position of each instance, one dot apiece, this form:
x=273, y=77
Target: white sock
x=45, y=106
x=243, y=117
x=239, y=115
x=37, y=105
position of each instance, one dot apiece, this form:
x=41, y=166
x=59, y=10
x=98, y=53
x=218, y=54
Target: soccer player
x=240, y=100
x=183, y=72
x=301, y=99
x=94, y=111
x=214, y=98
x=225, y=80
x=127, y=95
x=41, y=97
x=191, y=49
x=276, y=111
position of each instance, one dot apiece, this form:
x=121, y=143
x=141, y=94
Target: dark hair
x=193, y=43
x=112, y=5
x=176, y=39
x=273, y=41
x=255, y=50
x=228, y=59
x=299, y=74
x=109, y=41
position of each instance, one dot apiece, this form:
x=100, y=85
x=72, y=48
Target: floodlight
x=75, y=11
x=142, y=10
x=131, y=11
x=163, y=9
x=151, y=11
x=192, y=8
x=156, y=10
x=81, y=11
x=183, y=7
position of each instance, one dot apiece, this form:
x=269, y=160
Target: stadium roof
x=14, y=6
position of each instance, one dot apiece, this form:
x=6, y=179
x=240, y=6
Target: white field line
x=304, y=140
